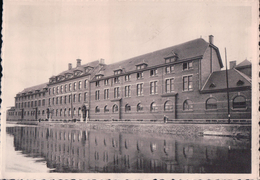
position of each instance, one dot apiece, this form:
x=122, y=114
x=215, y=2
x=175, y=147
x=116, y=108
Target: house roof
x=243, y=64
x=34, y=88
x=217, y=80
x=91, y=64
x=185, y=51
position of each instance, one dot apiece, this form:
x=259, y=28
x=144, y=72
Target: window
x=141, y=66
x=74, y=86
x=80, y=84
x=153, y=87
x=70, y=87
x=49, y=92
x=169, y=69
x=57, y=112
x=79, y=111
x=127, y=77
x=79, y=98
x=115, y=108
x=139, y=107
x=116, y=80
x=127, y=91
x=60, y=100
x=127, y=108
x=153, y=107
x=48, y=102
x=117, y=72
x=53, y=90
x=97, y=109
x=153, y=72
x=168, y=106
x=69, y=112
x=65, y=88
x=57, y=100
x=39, y=102
x=106, y=109
x=85, y=83
x=97, y=83
x=85, y=96
x=239, y=102
x=69, y=98
x=187, y=105
x=74, y=97
x=139, y=89
x=60, y=112
x=187, y=65
x=106, y=93
x=43, y=112
x=187, y=83
x=65, y=111
x=61, y=89
x=140, y=75
x=116, y=92
x=43, y=102
x=57, y=90
x=169, y=85
x=97, y=95
x=106, y=82
x=65, y=99
x=211, y=103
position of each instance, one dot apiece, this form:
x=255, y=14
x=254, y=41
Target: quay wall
x=192, y=129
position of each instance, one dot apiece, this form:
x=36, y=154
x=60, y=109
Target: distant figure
x=165, y=119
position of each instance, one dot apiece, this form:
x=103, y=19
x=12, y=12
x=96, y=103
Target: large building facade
x=181, y=82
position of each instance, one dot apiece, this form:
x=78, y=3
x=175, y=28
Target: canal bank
x=232, y=130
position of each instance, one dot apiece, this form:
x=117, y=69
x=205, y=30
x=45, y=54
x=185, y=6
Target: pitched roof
x=91, y=64
x=243, y=64
x=187, y=50
x=34, y=88
x=217, y=80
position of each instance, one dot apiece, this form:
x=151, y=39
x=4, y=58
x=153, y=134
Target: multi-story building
x=181, y=82
x=68, y=96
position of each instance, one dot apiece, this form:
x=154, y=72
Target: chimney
x=232, y=64
x=70, y=66
x=102, y=61
x=78, y=62
x=211, y=39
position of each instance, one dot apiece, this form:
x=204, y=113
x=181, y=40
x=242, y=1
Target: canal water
x=59, y=149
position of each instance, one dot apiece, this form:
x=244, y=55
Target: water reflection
x=71, y=150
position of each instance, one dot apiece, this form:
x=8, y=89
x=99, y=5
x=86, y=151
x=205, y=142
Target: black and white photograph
x=130, y=89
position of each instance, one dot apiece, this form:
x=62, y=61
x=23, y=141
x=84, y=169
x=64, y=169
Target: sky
x=42, y=37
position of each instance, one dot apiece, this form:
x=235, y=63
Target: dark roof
x=91, y=64
x=217, y=80
x=187, y=50
x=34, y=88
x=244, y=63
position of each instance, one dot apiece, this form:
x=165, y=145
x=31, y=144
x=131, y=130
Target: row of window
x=38, y=95
x=63, y=99
x=65, y=112
x=30, y=104
x=140, y=75
x=169, y=87
x=68, y=87
x=211, y=103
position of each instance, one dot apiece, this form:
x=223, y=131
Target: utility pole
x=227, y=88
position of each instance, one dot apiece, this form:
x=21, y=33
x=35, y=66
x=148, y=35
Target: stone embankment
x=234, y=130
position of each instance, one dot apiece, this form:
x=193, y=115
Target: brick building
x=179, y=82
x=182, y=82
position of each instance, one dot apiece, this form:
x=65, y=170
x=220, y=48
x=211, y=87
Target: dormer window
x=240, y=83
x=116, y=72
x=98, y=76
x=141, y=66
x=87, y=69
x=68, y=75
x=77, y=73
x=171, y=58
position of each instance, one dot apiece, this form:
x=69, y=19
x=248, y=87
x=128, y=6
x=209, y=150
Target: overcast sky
x=42, y=37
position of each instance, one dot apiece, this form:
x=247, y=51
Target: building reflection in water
x=71, y=150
